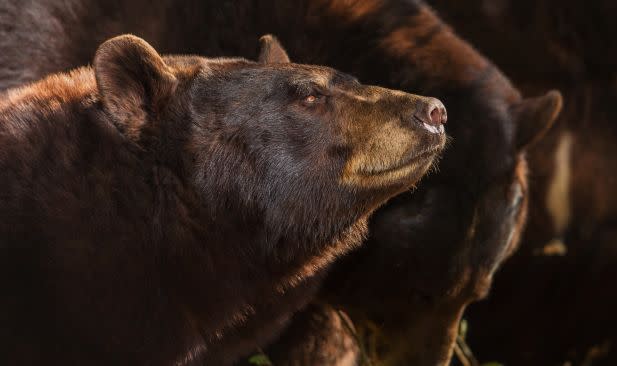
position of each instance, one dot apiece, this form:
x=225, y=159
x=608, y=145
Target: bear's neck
x=214, y=270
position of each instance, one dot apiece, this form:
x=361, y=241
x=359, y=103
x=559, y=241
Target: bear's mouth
x=413, y=159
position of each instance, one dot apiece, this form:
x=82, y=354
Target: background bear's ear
x=271, y=51
x=133, y=81
x=534, y=116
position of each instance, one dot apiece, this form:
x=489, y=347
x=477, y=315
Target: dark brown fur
x=147, y=215
x=553, y=41
x=455, y=231
x=553, y=302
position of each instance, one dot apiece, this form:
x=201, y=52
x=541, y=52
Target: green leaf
x=462, y=331
x=492, y=364
x=260, y=360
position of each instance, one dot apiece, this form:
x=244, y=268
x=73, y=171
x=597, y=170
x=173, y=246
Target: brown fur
x=551, y=303
x=153, y=208
x=555, y=41
x=337, y=345
x=461, y=223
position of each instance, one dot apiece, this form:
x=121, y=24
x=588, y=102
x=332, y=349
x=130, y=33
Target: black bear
x=150, y=204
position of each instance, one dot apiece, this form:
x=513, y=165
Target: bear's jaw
x=403, y=172
x=404, y=168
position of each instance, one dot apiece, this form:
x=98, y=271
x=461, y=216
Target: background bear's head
x=290, y=157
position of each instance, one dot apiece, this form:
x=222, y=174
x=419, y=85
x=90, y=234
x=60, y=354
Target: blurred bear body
x=559, y=279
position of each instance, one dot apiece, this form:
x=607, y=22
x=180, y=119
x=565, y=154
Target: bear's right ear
x=133, y=81
x=271, y=51
x=534, y=117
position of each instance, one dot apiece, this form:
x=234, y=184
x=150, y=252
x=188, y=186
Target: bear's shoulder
x=42, y=104
x=54, y=89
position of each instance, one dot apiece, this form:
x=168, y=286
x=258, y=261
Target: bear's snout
x=402, y=137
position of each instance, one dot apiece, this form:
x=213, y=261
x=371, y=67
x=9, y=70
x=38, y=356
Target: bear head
x=286, y=161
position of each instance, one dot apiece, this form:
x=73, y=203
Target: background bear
x=553, y=302
x=152, y=205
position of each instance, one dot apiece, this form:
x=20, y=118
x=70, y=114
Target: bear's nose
x=438, y=114
x=432, y=113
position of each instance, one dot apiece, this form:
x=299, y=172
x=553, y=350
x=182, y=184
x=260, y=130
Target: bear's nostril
x=435, y=112
x=437, y=116
x=432, y=115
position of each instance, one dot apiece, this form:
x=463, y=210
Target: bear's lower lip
x=434, y=129
x=423, y=155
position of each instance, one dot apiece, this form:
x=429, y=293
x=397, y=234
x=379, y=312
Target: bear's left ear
x=534, y=116
x=133, y=81
x=271, y=51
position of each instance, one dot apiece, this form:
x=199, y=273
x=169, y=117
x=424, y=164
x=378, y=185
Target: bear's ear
x=271, y=51
x=534, y=117
x=133, y=81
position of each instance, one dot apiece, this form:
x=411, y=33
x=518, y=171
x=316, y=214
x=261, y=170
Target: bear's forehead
x=292, y=72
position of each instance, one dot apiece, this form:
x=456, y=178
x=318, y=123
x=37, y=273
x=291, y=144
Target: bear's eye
x=310, y=95
x=311, y=98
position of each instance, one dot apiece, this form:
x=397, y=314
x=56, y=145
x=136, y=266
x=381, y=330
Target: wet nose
x=432, y=114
